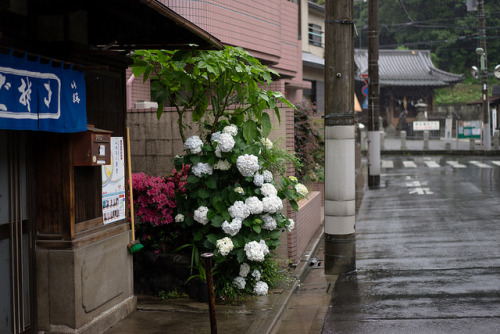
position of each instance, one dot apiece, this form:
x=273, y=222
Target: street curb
x=299, y=274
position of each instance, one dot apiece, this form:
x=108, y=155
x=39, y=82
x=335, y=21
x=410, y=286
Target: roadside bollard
x=426, y=140
x=403, y=140
x=472, y=144
x=207, y=261
x=382, y=140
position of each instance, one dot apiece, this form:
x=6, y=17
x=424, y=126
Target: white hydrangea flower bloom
x=232, y=228
x=215, y=136
x=200, y=215
x=260, y=288
x=272, y=204
x=268, y=176
x=239, y=282
x=265, y=249
x=293, y=178
x=268, y=144
x=244, y=269
x=256, y=251
x=222, y=165
x=218, y=153
x=268, y=189
x=224, y=245
x=193, y=144
x=301, y=189
x=256, y=274
x=225, y=142
x=231, y=129
x=269, y=222
x=239, y=190
x=239, y=210
x=254, y=205
x=202, y=168
x=291, y=225
x=247, y=164
x=179, y=218
x=258, y=179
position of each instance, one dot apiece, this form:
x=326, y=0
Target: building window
x=315, y=34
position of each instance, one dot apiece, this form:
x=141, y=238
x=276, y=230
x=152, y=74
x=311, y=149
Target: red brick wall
x=307, y=221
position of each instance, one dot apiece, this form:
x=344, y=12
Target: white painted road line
x=387, y=164
x=455, y=164
x=409, y=164
x=495, y=163
x=479, y=164
x=432, y=164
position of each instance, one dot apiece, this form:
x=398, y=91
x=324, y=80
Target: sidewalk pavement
x=298, y=307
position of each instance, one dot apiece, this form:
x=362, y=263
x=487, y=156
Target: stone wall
x=87, y=289
x=466, y=112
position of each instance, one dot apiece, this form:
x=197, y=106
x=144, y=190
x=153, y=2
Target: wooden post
x=340, y=197
x=373, y=98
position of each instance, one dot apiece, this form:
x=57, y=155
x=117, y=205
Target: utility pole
x=484, y=74
x=373, y=98
x=340, y=195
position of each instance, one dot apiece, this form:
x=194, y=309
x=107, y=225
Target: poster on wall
x=113, y=184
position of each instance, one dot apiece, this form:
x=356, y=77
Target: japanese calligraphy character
x=49, y=91
x=76, y=99
x=25, y=90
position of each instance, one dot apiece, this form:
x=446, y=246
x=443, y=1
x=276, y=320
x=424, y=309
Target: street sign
x=364, y=90
x=425, y=125
x=365, y=104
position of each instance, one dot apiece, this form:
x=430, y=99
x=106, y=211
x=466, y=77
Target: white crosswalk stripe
x=495, y=163
x=432, y=164
x=455, y=164
x=479, y=164
x=387, y=164
x=409, y=164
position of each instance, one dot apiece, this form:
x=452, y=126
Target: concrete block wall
x=154, y=143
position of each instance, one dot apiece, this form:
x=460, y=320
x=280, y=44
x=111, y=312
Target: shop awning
x=41, y=97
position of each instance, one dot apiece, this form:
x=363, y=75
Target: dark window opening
x=315, y=34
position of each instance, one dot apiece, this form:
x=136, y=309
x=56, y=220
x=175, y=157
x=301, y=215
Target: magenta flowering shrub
x=155, y=207
x=154, y=198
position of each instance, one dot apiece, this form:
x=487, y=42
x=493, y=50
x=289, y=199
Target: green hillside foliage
x=444, y=27
x=458, y=94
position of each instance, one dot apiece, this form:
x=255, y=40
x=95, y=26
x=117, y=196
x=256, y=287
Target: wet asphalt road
x=428, y=251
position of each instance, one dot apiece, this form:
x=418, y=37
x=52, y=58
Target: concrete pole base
x=340, y=253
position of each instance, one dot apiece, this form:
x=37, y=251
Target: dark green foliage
x=309, y=145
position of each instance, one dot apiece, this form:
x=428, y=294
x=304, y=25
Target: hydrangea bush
x=233, y=201
x=235, y=211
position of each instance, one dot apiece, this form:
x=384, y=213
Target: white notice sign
x=113, y=184
x=425, y=125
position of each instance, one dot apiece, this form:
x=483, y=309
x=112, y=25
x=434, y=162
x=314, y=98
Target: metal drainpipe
x=129, y=91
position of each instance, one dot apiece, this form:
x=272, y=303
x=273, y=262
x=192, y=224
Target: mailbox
x=93, y=147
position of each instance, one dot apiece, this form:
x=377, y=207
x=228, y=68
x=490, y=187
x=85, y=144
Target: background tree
x=444, y=27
